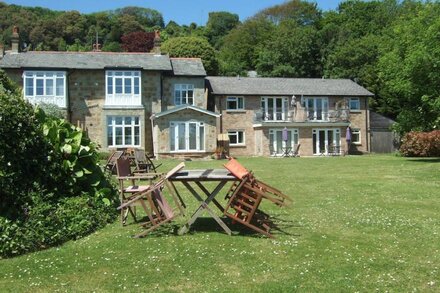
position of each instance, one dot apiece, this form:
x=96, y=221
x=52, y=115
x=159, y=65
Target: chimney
x=15, y=40
x=157, y=43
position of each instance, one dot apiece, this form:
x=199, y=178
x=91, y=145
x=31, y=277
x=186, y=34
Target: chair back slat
x=123, y=167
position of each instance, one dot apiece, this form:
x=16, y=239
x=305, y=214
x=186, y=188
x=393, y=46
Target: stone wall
x=162, y=132
x=200, y=99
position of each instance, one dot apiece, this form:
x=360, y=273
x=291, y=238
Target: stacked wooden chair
x=110, y=165
x=152, y=200
x=245, y=196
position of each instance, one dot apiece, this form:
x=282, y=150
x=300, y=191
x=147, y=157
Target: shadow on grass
x=208, y=224
x=424, y=160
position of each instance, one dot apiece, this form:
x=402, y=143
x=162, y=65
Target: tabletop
x=203, y=175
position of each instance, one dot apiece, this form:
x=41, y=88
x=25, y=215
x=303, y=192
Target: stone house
x=169, y=107
x=269, y=116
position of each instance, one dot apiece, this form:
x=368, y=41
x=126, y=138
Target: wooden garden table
x=199, y=178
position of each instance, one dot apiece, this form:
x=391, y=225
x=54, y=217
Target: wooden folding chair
x=126, y=193
x=244, y=198
x=155, y=204
x=144, y=163
x=110, y=166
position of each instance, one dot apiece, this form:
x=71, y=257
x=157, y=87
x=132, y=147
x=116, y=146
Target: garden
x=357, y=223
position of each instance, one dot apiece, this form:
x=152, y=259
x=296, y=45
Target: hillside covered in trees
x=390, y=47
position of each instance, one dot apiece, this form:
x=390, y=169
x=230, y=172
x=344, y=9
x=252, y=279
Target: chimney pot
x=157, y=42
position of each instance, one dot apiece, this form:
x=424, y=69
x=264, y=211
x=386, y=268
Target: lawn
x=361, y=223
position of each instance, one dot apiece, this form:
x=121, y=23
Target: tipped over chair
x=244, y=198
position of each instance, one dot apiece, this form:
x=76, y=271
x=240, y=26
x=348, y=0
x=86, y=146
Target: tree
x=193, y=47
x=408, y=70
x=147, y=18
x=138, y=42
x=302, y=12
x=241, y=46
x=220, y=24
x=291, y=51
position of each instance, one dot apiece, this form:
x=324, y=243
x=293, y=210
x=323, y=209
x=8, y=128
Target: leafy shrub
x=421, y=144
x=51, y=186
x=52, y=110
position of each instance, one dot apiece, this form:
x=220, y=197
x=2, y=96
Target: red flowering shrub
x=421, y=144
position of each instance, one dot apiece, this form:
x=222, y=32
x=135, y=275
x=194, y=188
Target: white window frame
x=183, y=97
x=45, y=76
x=174, y=137
x=112, y=126
x=335, y=140
x=235, y=132
x=128, y=78
x=357, y=101
x=312, y=112
x=272, y=114
x=294, y=132
x=356, y=132
x=237, y=100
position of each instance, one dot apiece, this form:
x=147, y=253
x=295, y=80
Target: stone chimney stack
x=15, y=40
x=157, y=43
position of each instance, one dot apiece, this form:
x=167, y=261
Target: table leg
x=217, y=204
x=204, y=206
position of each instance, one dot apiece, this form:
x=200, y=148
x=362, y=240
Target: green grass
x=362, y=223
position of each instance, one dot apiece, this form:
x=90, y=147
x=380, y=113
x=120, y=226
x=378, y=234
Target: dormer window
x=183, y=94
x=123, y=88
x=45, y=87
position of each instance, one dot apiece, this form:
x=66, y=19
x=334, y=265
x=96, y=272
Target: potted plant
x=219, y=153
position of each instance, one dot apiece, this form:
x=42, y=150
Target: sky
x=181, y=11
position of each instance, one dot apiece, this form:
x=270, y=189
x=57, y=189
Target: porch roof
x=184, y=107
x=285, y=86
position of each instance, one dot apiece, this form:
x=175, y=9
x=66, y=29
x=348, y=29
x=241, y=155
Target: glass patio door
x=276, y=143
x=326, y=140
x=274, y=109
x=317, y=109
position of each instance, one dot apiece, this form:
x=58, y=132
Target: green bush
x=51, y=186
x=421, y=144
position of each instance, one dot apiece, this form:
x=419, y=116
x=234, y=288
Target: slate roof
x=188, y=66
x=285, y=86
x=184, y=107
x=378, y=121
x=86, y=60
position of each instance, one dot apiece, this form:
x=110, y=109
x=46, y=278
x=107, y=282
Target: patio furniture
x=295, y=152
x=143, y=162
x=126, y=193
x=199, y=178
x=110, y=165
x=155, y=205
x=245, y=196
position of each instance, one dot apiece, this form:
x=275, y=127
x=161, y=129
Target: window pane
x=128, y=137
x=49, y=87
x=127, y=120
x=190, y=93
x=40, y=87
x=190, y=101
x=109, y=136
x=29, y=86
x=110, y=85
x=232, y=105
x=109, y=120
x=232, y=137
x=118, y=73
x=240, y=137
x=177, y=97
x=118, y=135
x=136, y=86
x=240, y=103
x=181, y=136
x=118, y=120
x=136, y=120
x=193, y=136
x=118, y=88
x=60, y=87
x=127, y=84
x=137, y=137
